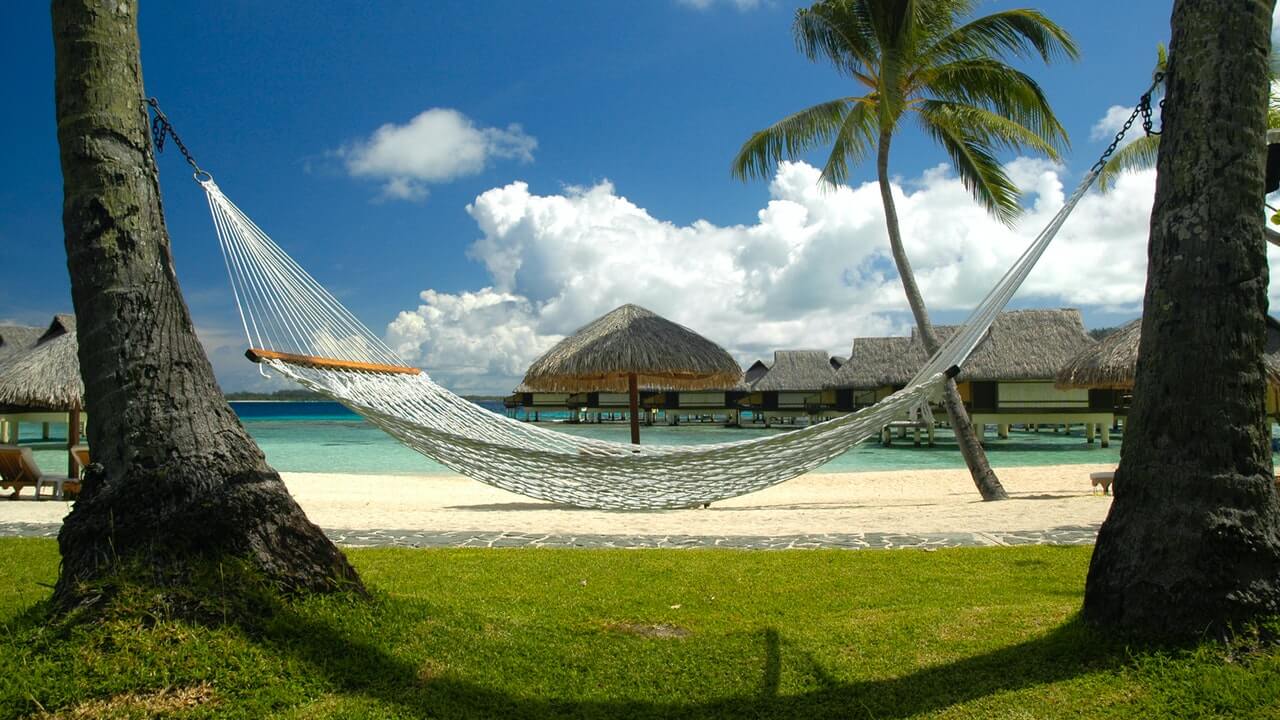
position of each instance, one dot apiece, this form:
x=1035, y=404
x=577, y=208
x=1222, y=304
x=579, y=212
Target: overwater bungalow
x=1009, y=379
x=795, y=386
x=1106, y=369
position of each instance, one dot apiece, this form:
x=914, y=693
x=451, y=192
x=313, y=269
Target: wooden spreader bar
x=258, y=355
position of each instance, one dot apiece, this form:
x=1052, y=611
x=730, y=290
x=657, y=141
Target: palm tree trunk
x=176, y=481
x=974, y=456
x=1192, y=542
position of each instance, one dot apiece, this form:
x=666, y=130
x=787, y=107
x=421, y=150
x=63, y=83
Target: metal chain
x=160, y=127
x=1144, y=109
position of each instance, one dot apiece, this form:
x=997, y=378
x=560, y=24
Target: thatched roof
x=755, y=372
x=630, y=339
x=47, y=376
x=879, y=362
x=1028, y=345
x=796, y=371
x=1113, y=361
x=1021, y=345
x=17, y=338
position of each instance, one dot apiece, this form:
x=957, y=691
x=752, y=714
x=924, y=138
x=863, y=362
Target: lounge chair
x=18, y=469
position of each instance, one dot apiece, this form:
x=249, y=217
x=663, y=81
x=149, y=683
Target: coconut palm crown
x=923, y=58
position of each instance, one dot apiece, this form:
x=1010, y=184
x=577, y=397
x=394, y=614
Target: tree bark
x=1192, y=542
x=975, y=458
x=176, y=479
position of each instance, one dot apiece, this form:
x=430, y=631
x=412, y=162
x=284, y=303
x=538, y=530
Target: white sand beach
x=912, y=501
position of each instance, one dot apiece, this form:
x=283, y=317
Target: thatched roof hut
x=1020, y=345
x=633, y=340
x=1113, y=361
x=796, y=371
x=17, y=338
x=47, y=376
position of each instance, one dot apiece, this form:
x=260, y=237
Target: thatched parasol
x=627, y=348
x=1113, y=362
x=47, y=376
x=1110, y=364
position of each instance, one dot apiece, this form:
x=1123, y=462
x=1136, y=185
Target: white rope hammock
x=307, y=335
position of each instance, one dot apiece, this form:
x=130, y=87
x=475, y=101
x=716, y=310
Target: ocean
x=325, y=437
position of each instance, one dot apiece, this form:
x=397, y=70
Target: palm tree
x=177, y=486
x=929, y=59
x=1191, y=545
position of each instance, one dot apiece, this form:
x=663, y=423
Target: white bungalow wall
x=701, y=400
x=1026, y=395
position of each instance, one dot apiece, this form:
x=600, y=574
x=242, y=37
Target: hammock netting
x=284, y=310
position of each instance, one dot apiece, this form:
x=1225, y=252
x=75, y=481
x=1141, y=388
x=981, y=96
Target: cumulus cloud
x=812, y=271
x=437, y=146
x=1111, y=123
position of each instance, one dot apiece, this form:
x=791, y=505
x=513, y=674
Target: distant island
x=311, y=396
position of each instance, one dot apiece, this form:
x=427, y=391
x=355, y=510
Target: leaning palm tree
x=931, y=60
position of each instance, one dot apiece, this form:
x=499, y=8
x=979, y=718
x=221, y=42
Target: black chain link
x=1144, y=109
x=161, y=127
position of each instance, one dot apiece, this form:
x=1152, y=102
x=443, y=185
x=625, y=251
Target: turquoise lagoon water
x=326, y=437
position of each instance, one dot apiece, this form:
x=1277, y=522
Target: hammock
x=301, y=331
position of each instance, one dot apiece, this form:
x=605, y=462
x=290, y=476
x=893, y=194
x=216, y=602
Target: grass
x=966, y=633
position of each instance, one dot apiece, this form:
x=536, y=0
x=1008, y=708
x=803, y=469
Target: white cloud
x=813, y=270
x=437, y=146
x=1111, y=123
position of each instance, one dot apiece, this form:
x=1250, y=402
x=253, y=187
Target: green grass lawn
x=966, y=633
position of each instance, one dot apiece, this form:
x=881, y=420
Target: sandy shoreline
x=911, y=501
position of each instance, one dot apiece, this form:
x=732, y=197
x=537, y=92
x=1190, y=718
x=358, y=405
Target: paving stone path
x=1071, y=535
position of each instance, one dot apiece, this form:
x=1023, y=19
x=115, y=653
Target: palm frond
x=1140, y=154
x=854, y=142
x=1020, y=33
x=989, y=128
x=841, y=33
x=789, y=137
x=998, y=87
x=894, y=24
x=977, y=167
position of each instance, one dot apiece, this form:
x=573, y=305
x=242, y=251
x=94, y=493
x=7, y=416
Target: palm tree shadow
x=359, y=667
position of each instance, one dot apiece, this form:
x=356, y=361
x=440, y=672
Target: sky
x=476, y=180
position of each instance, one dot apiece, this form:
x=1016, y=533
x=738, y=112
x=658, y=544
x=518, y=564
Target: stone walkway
x=1073, y=535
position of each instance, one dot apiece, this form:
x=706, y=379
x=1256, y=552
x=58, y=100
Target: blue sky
x=618, y=117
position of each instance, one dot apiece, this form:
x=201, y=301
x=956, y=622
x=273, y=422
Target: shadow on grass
x=358, y=667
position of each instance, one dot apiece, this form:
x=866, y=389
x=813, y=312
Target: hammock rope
x=285, y=310
x=287, y=313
